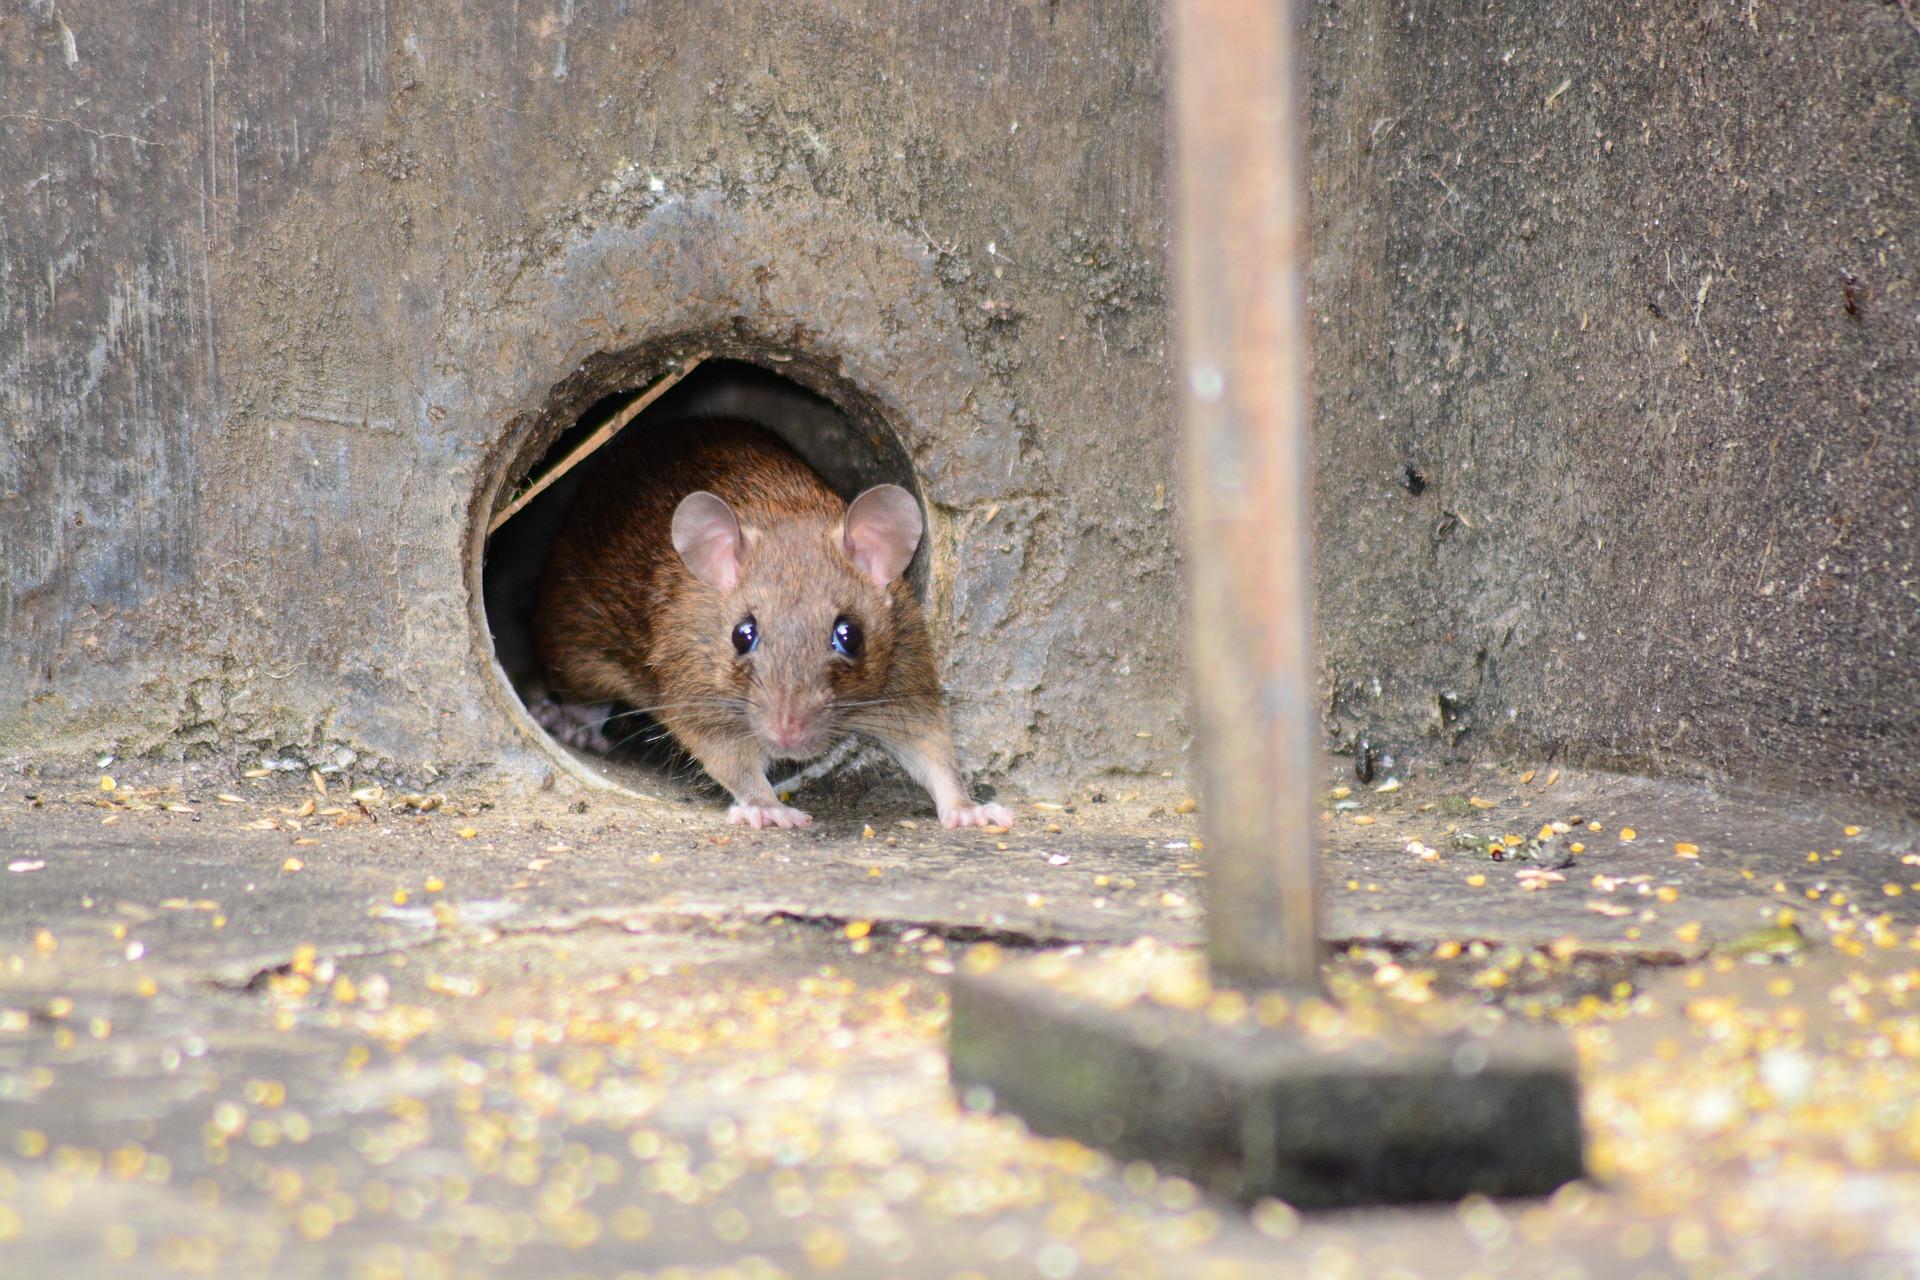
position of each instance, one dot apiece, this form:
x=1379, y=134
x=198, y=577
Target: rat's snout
x=792, y=725
x=787, y=730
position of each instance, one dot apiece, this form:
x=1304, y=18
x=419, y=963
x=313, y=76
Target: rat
x=707, y=576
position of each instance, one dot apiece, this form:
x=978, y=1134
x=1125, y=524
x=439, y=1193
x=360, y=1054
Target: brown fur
x=620, y=615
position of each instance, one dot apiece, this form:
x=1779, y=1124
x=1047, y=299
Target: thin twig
x=587, y=447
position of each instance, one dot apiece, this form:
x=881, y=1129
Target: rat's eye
x=847, y=640
x=746, y=634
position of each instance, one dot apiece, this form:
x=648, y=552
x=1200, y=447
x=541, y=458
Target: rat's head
x=805, y=628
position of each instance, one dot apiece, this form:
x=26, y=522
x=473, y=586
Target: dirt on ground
x=248, y=1027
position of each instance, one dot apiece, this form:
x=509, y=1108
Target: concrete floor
x=273, y=1032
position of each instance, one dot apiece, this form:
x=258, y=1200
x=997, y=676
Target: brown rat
x=710, y=578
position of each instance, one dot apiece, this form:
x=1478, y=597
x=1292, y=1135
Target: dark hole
x=851, y=449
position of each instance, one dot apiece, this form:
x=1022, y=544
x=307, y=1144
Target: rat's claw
x=768, y=815
x=978, y=815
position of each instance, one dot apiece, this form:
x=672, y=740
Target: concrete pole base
x=1249, y=1111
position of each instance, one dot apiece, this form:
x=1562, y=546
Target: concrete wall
x=1625, y=291
x=288, y=291
x=1632, y=289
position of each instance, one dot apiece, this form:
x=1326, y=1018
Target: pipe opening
x=832, y=426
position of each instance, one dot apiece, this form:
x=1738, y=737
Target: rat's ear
x=882, y=528
x=707, y=536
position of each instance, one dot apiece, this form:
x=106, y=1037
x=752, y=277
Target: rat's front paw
x=769, y=815
x=977, y=815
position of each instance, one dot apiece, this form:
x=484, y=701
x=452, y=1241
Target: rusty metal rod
x=1240, y=261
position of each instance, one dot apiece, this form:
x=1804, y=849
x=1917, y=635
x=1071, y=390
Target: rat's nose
x=787, y=729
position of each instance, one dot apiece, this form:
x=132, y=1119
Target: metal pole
x=1240, y=262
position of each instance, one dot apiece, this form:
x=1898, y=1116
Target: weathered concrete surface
x=289, y=294
x=583, y=1061
x=286, y=296
x=1118, y=867
x=1092, y=867
x=1628, y=294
